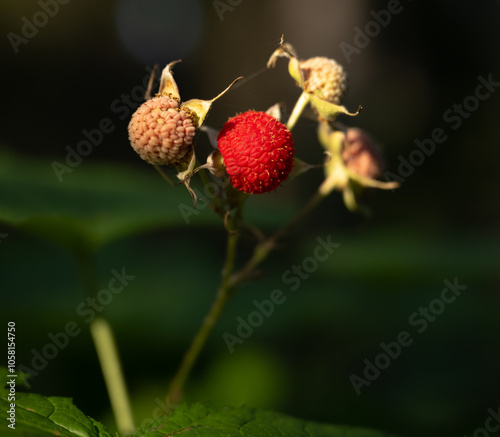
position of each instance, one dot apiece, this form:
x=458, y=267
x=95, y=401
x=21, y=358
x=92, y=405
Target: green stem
x=223, y=294
x=113, y=376
x=297, y=110
x=263, y=249
x=216, y=201
x=306, y=209
x=164, y=175
x=228, y=285
x=107, y=352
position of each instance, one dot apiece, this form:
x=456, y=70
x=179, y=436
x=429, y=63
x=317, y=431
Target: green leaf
x=97, y=203
x=202, y=420
x=91, y=206
x=38, y=416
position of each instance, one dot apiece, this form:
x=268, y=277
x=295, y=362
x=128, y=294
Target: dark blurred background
x=440, y=225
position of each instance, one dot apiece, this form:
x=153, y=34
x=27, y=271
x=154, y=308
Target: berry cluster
x=254, y=149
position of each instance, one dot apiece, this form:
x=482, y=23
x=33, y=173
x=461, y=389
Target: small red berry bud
x=257, y=150
x=361, y=154
x=160, y=132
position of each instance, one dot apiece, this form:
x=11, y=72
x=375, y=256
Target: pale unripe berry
x=325, y=78
x=160, y=132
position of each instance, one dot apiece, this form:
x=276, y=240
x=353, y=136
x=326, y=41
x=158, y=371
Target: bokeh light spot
x=158, y=31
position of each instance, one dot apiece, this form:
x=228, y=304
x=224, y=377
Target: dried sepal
x=374, y=183
x=199, y=108
x=211, y=134
x=275, y=111
x=349, y=198
x=300, y=167
x=336, y=174
x=285, y=50
x=330, y=111
x=168, y=86
x=184, y=173
x=215, y=164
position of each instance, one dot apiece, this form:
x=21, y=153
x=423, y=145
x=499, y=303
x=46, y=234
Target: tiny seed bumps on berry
x=160, y=132
x=257, y=150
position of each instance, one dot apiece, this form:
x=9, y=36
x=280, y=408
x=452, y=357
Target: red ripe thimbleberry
x=257, y=150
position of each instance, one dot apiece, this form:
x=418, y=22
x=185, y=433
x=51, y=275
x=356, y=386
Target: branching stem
x=228, y=286
x=223, y=294
x=264, y=248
